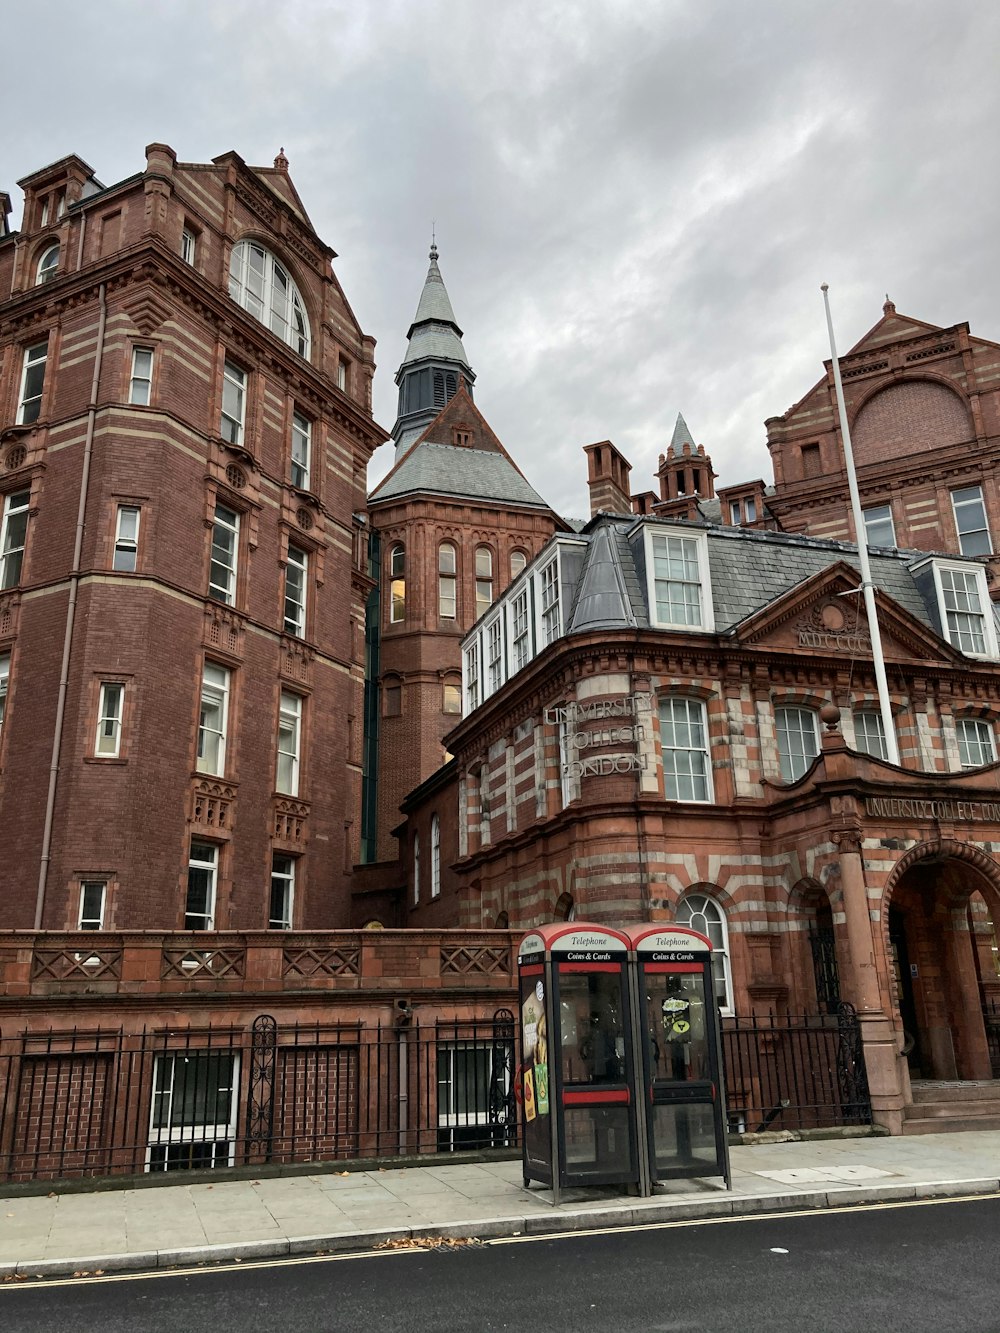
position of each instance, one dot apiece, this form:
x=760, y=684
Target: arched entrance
x=939, y=989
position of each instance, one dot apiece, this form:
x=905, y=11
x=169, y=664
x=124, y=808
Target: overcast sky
x=636, y=200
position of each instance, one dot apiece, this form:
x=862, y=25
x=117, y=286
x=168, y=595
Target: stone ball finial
x=830, y=714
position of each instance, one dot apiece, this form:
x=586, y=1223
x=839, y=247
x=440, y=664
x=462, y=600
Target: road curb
x=644, y=1213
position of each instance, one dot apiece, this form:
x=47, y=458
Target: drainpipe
x=74, y=585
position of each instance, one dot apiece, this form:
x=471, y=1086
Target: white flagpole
x=868, y=587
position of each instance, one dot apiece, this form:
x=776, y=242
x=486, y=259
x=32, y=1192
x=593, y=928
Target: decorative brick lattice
x=344, y=962
x=211, y=804
x=75, y=964
x=236, y=477
x=304, y=519
x=487, y=961
x=16, y=457
x=290, y=818
x=190, y=963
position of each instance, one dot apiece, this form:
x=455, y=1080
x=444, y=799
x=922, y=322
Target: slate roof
x=434, y=333
x=447, y=469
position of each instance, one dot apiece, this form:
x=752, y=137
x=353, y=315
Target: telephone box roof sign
x=577, y=937
x=647, y=940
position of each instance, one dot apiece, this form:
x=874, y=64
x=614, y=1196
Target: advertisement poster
x=536, y=1054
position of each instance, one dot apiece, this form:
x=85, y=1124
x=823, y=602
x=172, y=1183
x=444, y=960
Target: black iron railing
x=109, y=1102
x=991, y=1018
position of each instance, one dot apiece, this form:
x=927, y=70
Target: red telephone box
x=577, y=1076
x=677, y=1028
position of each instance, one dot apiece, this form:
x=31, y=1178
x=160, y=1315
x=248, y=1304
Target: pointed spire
x=681, y=436
x=434, y=303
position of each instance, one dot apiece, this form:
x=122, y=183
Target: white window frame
x=214, y=699
x=658, y=537
x=435, y=856
x=221, y=1135
x=786, y=759
x=703, y=913
x=471, y=672
x=484, y=579
x=678, y=770
x=189, y=246
x=519, y=627
x=548, y=601
x=12, y=554
x=211, y=867
x=296, y=591
x=232, y=415
x=447, y=581
x=984, y=742
x=87, y=919
x=518, y=564
x=289, y=746
x=226, y=522
x=282, y=881
x=110, y=709
x=48, y=265
x=493, y=638
x=750, y=509
x=29, y=407
x=126, y=553
x=140, y=385
x=971, y=532
x=301, y=454
x=4, y=686
x=985, y=605
x=266, y=290
x=868, y=728
x=883, y=512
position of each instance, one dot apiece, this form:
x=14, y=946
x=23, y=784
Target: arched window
x=565, y=909
x=518, y=560
x=397, y=584
x=502, y=922
x=261, y=286
x=48, y=265
x=447, y=581
x=484, y=580
x=416, y=868
x=705, y=915
x=798, y=740
x=435, y=857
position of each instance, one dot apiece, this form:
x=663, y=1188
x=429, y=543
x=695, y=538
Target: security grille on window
x=289, y=736
x=109, y=722
x=282, y=891
x=447, y=581
x=687, y=770
x=213, y=719
x=296, y=570
x=13, y=534
x=92, y=892
x=879, y=529
x=970, y=521
x=976, y=743
x=141, y=384
x=48, y=265
x=126, y=538
x=705, y=915
x=4, y=682
x=192, y=1120
x=301, y=450
x=548, y=581
x=519, y=631
x=435, y=857
x=32, y=383
x=397, y=584
x=966, y=621
x=199, y=912
x=472, y=1078
x=472, y=676
x=225, y=544
x=261, y=286
x=494, y=655
x=234, y=390
x=798, y=743
x=484, y=580
x=869, y=734
x=677, y=580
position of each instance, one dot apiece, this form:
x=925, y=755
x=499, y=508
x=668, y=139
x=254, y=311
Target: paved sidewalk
x=336, y=1211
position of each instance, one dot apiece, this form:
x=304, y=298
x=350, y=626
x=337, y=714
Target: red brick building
x=185, y=426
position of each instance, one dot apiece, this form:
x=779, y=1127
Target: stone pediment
x=825, y=615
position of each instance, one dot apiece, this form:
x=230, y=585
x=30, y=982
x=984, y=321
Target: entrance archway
x=932, y=956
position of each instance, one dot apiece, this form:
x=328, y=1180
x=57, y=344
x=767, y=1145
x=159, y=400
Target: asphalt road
x=922, y=1269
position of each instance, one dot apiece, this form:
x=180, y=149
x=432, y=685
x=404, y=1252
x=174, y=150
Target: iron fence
x=991, y=1019
x=107, y=1102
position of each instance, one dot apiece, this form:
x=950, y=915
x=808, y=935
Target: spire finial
x=434, y=249
x=281, y=161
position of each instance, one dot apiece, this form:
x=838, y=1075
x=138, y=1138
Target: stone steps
x=950, y=1124
x=941, y=1107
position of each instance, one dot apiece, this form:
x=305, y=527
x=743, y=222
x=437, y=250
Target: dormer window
x=680, y=592
x=964, y=608
x=262, y=287
x=48, y=265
